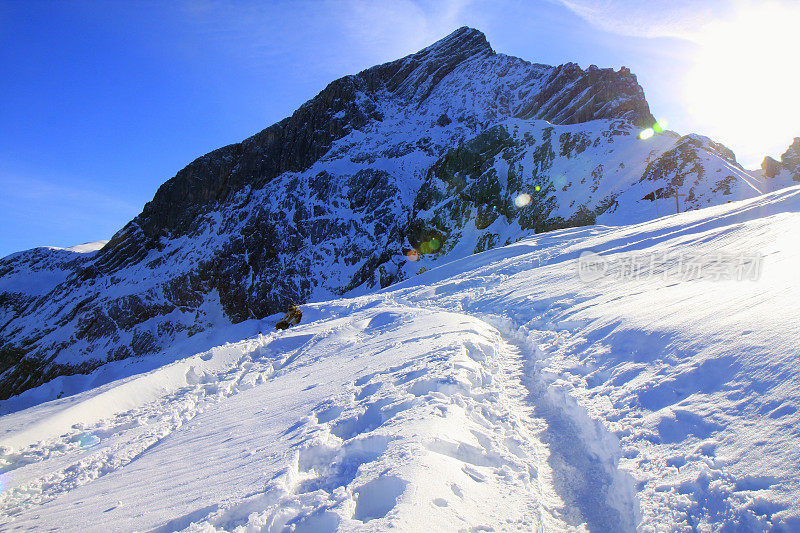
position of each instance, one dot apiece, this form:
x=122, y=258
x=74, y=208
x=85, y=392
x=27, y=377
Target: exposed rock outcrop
x=789, y=165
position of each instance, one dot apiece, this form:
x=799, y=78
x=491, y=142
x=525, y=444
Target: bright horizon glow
x=744, y=79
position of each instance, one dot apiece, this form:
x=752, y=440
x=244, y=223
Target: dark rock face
x=464, y=188
x=426, y=153
x=677, y=162
x=571, y=95
x=790, y=159
x=789, y=163
x=686, y=168
x=770, y=167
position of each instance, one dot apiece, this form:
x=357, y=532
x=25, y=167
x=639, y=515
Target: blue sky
x=101, y=102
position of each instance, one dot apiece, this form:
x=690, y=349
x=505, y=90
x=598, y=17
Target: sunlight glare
x=742, y=87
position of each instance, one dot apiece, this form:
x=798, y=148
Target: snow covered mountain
x=453, y=150
x=504, y=391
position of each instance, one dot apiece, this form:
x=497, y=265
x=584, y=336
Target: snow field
x=423, y=429
x=496, y=392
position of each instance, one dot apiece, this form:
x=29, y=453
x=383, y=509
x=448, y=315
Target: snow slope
x=501, y=391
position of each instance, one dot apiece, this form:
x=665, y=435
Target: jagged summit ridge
x=464, y=40
x=414, y=77
x=292, y=144
x=562, y=95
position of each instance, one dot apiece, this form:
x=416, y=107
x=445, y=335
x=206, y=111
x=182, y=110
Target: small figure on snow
x=291, y=318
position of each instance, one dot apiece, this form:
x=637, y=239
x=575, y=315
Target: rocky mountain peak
x=788, y=165
x=565, y=94
x=427, y=155
x=463, y=42
x=791, y=157
x=415, y=76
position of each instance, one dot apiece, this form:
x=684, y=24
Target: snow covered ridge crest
x=430, y=152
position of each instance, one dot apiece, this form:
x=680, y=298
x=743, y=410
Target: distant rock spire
x=789, y=163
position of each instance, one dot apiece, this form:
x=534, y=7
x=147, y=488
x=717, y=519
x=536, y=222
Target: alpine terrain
x=523, y=305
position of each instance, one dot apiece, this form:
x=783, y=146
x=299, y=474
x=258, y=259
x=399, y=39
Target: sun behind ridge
x=743, y=83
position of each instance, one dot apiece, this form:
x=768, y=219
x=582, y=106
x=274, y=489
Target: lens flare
x=646, y=133
x=523, y=199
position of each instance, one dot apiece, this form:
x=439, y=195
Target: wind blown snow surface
x=501, y=391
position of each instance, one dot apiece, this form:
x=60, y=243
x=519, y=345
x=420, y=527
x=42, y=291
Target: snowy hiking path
x=583, y=455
